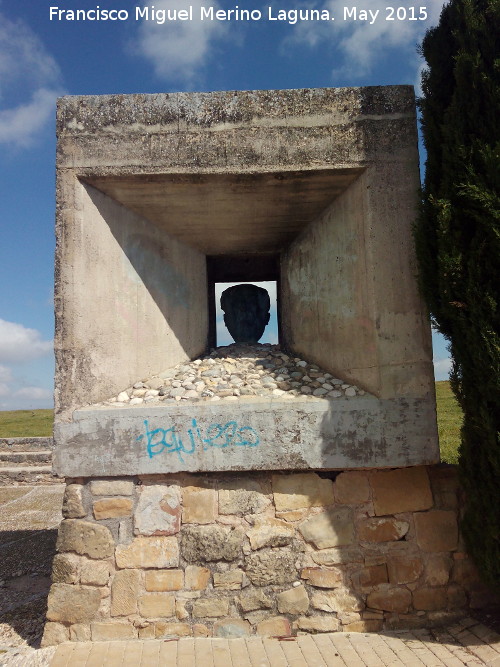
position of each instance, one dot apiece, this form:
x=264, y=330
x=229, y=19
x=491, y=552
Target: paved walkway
x=466, y=643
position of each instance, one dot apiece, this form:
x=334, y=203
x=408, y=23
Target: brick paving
x=465, y=643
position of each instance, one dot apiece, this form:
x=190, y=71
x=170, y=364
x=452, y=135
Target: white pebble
x=136, y=400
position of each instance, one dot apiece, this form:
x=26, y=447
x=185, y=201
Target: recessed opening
x=270, y=335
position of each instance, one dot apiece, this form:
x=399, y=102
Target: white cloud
x=363, y=44
x=178, y=50
x=19, y=343
x=442, y=368
x=30, y=76
x=5, y=374
x=34, y=393
x=21, y=124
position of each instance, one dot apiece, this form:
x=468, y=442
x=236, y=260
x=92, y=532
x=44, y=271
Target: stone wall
x=272, y=554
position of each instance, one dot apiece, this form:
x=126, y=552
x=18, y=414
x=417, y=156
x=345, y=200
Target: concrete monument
x=199, y=517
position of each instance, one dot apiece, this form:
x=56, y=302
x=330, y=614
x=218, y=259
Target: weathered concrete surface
x=148, y=186
x=131, y=300
x=350, y=301
x=258, y=434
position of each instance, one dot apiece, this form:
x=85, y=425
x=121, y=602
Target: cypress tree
x=458, y=243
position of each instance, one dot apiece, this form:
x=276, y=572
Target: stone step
x=33, y=458
x=31, y=475
x=26, y=444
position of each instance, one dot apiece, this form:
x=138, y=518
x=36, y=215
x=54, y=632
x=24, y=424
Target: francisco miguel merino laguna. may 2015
x=210, y=13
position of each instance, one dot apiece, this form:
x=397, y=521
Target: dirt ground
x=29, y=518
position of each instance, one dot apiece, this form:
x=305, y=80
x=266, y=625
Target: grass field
x=30, y=423
x=26, y=423
x=449, y=417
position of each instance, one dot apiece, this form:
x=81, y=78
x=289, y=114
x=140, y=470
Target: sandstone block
x=293, y=515
x=148, y=632
x=445, y=486
x=199, y=505
x=66, y=568
x=144, y=552
x=111, y=487
x=156, y=605
x=318, y=623
x=382, y=530
x=231, y=580
x=158, y=511
x=364, y=626
x=242, y=497
x=430, y=599
x=124, y=592
x=88, y=539
x=293, y=601
x=180, y=609
x=332, y=528
x=103, y=632
x=337, y=556
x=79, y=632
x=200, y=630
x=73, y=502
x=346, y=617
x=253, y=599
x=277, y=626
x=271, y=566
x=72, y=604
x=293, y=491
x=232, y=627
x=163, y=629
x=390, y=598
x=352, y=488
x=196, y=578
x=210, y=543
x=269, y=532
x=338, y=600
x=465, y=573
x=95, y=572
x=457, y=598
x=436, y=530
x=53, y=634
x=164, y=580
x=210, y=607
x=110, y=508
x=321, y=577
x=437, y=569
x=372, y=576
x=404, y=569
x=402, y=490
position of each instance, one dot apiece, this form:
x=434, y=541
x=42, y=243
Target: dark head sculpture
x=246, y=312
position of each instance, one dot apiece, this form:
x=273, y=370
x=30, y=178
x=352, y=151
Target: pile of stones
x=235, y=371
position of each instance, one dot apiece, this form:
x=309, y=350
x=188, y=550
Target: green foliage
x=458, y=243
x=26, y=423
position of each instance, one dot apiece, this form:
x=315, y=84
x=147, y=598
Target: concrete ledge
x=255, y=434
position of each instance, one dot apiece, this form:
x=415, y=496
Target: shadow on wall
x=152, y=265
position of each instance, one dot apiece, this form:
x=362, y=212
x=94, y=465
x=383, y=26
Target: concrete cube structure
x=161, y=196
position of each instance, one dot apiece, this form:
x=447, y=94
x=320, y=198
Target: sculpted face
x=246, y=312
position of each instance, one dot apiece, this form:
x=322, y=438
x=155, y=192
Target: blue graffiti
x=168, y=440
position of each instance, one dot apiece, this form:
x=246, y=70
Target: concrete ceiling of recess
x=222, y=214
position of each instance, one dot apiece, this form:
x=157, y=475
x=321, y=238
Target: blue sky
x=41, y=59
